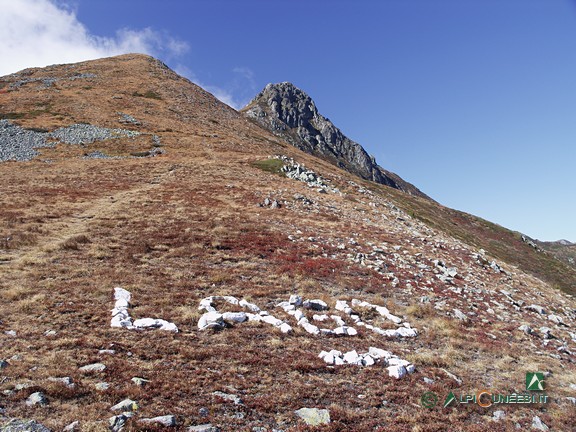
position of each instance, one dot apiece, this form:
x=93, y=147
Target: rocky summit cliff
x=168, y=264
x=289, y=112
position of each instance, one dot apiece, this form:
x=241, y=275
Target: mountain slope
x=212, y=215
x=290, y=113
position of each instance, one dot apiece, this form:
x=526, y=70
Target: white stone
x=406, y=332
x=351, y=357
x=368, y=360
x=167, y=420
x=94, y=367
x=556, y=319
x=122, y=294
x=410, y=368
x=269, y=319
x=341, y=305
x=537, y=424
x=210, y=320
x=250, y=306
x=378, y=353
x=234, y=317
x=286, y=328
x=37, y=398
x=460, y=315
x=526, y=329
x=396, y=371
x=339, y=321
x=351, y=331
x=315, y=304
x=295, y=300
x=206, y=304
x=310, y=328
x=395, y=361
x=121, y=321
x=72, y=426
x=320, y=318
x=536, y=308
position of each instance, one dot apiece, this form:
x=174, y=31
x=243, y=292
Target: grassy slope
x=502, y=243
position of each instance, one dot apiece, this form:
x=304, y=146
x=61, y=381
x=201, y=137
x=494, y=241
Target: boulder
x=203, y=428
x=397, y=371
x=317, y=305
x=125, y=405
x=234, y=317
x=166, y=420
x=314, y=416
x=37, y=398
x=537, y=424
x=211, y=320
x=94, y=367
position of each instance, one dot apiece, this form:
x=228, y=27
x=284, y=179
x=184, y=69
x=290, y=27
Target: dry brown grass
x=183, y=226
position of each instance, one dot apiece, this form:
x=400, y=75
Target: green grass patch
x=270, y=165
x=149, y=95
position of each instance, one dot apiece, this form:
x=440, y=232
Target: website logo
x=534, y=381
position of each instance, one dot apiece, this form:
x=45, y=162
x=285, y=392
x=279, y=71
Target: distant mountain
x=561, y=249
x=289, y=112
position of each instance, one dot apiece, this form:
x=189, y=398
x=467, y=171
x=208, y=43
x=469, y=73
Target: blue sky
x=473, y=101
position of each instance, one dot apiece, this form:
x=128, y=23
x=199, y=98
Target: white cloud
x=221, y=94
x=36, y=33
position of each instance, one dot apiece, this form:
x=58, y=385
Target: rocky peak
x=290, y=113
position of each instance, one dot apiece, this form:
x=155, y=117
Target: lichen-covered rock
x=314, y=416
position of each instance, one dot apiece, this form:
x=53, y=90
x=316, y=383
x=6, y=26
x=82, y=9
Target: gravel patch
x=87, y=134
x=19, y=144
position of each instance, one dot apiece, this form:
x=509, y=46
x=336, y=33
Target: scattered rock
x=19, y=425
x=4, y=364
x=314, y=416
x=572, y=400
x=460, y=315
x=451, y=375
x=166, y=420
x=117, y=422
x=74, y=426
x=37, y=398
x=295, y=300
x=229, y=397
x=67, y=381
x=102, y=386
x=317, y=305
x=139, y=381
x=121, y=316
x=125, y=405
x=536, y=308
x=526, y=329
x=94, y=367
x=211, y=320
x=204, y=428
x=397, y=371
x=556, y=319
x=498, y=415
x=537, y=424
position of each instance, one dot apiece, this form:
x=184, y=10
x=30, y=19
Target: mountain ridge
x=289, y=112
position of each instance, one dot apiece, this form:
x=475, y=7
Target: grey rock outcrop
x=19, y=425
x=290, y=113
